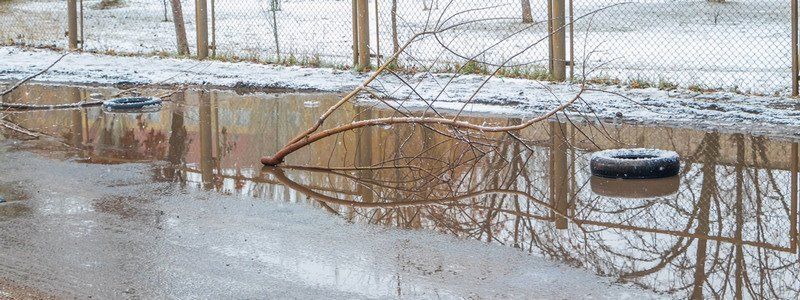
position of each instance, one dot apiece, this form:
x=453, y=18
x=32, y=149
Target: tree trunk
x=527, y=16
x=180, y=29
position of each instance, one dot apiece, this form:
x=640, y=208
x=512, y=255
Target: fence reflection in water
x=730, y=229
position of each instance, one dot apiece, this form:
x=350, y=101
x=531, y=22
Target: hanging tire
x=132, y=103
x=635, y=163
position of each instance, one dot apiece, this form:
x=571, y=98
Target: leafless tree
x=180, y=28
x=527, y=16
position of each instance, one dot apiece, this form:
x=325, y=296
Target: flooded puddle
x=725, y=227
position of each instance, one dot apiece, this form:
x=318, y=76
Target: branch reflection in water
x=725, y=227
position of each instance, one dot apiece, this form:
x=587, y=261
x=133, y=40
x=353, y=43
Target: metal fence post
x=794, y=189
x=795, y=63
x=355, y=32
x=558, y=39
x=363, y=34
x=72, y=24
x=550, y=37
x=559, y=176
x=377, y=34
x=214, y=29
x=571, y=41
x=82, y=40
x=201, y=20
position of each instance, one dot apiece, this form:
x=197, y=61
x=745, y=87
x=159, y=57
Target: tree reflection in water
x=730, y=230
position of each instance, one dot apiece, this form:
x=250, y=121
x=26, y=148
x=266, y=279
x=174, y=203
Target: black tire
x=635, y=163
x=132, y=103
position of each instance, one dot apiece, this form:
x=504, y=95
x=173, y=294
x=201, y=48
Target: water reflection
x=725, y=227
x=638, y=188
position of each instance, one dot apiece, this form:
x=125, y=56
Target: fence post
x=795, y=63
x=558, y=64
x=377, y=34
x=550, y=37
x=794, y=166
x=559, y=176
x=201, y=20
x=355, y=32
x=363, y=34
x=571, y=41
x=214, y=29
x=72, y=24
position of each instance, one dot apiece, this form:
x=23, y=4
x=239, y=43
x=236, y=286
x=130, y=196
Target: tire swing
x=636, y=163
x=132, y=105
x=635, y=173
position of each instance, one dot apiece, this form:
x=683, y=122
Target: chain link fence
x=739, y=45
x=310, y=32
x=35, y=23
x=134, y=26
x=731, y=213
x=742, y=46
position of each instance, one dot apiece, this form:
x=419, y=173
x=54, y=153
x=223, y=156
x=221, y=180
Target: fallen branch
x=20, y=129
x=28, y=107
x=312, y=134
x=308, y=139
x=81, y=104
x=26, y=79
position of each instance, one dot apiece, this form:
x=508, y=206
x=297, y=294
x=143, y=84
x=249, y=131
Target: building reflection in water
x=726, y=227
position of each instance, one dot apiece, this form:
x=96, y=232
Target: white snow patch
x=776, y=116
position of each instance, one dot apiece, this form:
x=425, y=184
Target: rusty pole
x=559, y=57
x=72, y=24
x=377, y=35
x=794, y=189
x=795, y=63
x=355, y=32
x=550, y=36
x=559, y=172
x=201, y=20
x=214, y=30
x=363, y=34
x=571, y=41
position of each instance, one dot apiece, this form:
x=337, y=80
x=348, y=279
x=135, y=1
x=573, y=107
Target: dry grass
x=109, y=4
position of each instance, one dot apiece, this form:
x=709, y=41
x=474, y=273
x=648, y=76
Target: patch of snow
x=636, y=153
x=775, y=116
x=744, y=44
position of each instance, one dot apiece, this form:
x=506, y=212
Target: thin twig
x=26, y=79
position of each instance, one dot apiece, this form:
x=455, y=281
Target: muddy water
x=725, y=227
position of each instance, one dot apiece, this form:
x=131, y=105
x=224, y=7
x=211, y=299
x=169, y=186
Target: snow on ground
x=112, y=232
x=741, y=44
x=775, y=116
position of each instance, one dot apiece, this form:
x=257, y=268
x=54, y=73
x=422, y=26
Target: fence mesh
x=292, y=31
x=732, y=211
x=135, y=26
x=35, y=23
x=744, y=45
x=741, y=46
